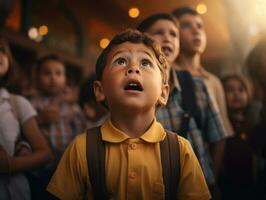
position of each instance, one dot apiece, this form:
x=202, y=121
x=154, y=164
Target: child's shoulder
x=183, y=142
x=80, y=138
x=185, y=148
x=78, y=145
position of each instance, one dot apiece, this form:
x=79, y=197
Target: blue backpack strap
x=189, y=102
x=170, y=160
x=95, y=152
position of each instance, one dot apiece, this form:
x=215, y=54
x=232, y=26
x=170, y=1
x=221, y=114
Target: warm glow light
x=133, y=12
x=104, y=43
x=33, y=33
x=43, y=30
x=201, y=8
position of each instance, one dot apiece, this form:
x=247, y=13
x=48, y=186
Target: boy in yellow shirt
x=132, y=82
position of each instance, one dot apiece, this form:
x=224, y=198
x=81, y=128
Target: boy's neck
x=134, y=125
x=190, y=63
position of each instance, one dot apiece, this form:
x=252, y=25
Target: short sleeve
x=25, y=109
x=70, y=180
x=192, y=184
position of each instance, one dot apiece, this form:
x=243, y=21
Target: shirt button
x=133, y=146
x=132, y=175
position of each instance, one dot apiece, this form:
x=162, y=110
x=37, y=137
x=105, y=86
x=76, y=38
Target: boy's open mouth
x=166, y=50
x=134, y=85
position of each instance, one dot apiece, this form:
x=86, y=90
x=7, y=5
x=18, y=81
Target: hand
x=22, y=150
x=50, y=114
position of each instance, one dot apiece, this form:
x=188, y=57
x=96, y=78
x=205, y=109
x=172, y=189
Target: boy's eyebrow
x=120, y=51
x=129, y=51
x=148, y=53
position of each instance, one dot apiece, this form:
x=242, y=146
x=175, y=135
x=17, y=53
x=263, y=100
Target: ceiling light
x=133, y=12
x=104, y=43
x=201, y=8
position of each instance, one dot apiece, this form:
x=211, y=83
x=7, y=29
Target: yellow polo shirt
x=133, y=168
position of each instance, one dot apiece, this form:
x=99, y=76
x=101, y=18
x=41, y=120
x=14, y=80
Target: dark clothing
x=238, y=173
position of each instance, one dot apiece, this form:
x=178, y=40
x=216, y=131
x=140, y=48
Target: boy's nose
x=132, y=70
x=166, y=37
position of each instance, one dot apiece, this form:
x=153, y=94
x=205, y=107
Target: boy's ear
x=162, y=101
x=98, y=91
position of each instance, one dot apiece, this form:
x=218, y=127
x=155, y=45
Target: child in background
x=204, y=132
x=17, y=114
x=95, y=112
x=132, y=82
x=238, y=175
x=58, y=119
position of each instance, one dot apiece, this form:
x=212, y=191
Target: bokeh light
x=43, y=30
x=104, y=43
x=201, y=8
x=33, y=33
x=133, y=12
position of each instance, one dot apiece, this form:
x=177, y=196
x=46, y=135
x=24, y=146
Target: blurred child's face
x=3, y=63
x=192, y=34
x=236, y=95
x=131, y=80
x=167, y=34
x=52, y=77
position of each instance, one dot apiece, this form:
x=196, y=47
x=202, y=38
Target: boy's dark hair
x=149, y=21
x=86, y=94
x=42, y=60
x=133, y=36
x=7, y=79
x=183, y=10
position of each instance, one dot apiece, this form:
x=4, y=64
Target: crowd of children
x=151, y=123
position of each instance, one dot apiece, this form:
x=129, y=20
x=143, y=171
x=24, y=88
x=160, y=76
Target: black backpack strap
x=170, y=159
x=189, y=101
x=95, y=151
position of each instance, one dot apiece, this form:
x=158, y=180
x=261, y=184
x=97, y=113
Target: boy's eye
x=185, y=25
x=200, y=26
x=158, y=32
x=145, y=63
x=173, y=33
x=121, y=61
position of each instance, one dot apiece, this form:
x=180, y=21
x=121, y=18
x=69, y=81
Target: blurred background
x=77, y=30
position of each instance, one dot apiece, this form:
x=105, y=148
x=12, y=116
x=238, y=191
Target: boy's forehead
x=129, y=47
x=190, y=17
x=52, y=65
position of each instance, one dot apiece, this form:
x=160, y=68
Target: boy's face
x=131, y=81
x=3, y=63
x=52, y=77
x=236, y=95
x=167, y=34
x=192, y=34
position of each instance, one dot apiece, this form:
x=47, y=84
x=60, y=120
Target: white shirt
x=9, y=124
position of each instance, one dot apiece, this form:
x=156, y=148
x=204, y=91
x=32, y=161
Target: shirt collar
x=110, y=133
